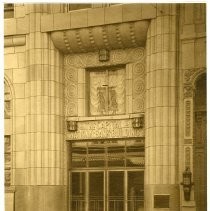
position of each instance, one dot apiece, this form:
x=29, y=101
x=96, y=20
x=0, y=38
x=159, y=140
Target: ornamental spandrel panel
x=103, y=129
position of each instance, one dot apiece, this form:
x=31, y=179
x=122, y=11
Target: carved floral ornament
x=190, y=76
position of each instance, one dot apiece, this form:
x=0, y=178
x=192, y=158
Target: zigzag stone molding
x=110, y=37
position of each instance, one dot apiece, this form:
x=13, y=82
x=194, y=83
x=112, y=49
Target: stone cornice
x=115, y=36
x=12, y=41
x=97, y=17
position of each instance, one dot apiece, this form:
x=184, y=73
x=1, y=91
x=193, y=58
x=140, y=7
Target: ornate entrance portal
x=107, y=175
x=200, y=144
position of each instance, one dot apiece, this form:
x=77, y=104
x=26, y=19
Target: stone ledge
x=97, y=17
x=12, y=41
x=14, y=26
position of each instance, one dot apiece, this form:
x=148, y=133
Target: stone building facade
x=105, y=107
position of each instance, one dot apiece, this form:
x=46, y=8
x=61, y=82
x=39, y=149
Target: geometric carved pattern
x=74, y=62
x=189, y=77
x=71, y=91
x=110, y=37
x=188, y=118
x=138, y=86
x=7, y=101
x=116, y=57
x=7, y=161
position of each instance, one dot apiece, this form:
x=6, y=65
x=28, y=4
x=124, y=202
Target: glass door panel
x=116, y=191
x=96, y=191
x=78, y=191
x=135, y=191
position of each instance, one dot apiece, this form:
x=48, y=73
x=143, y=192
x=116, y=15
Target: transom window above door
x=107, y=154
x=107, y=91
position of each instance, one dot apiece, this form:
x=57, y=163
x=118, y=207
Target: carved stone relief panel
x=103, y=129
x=138, y=86
x=7, y=160
x=189, y=78
x=74, y=63
x=7, y=101
x=125, y=56
x=188, y=118
x=71, y=81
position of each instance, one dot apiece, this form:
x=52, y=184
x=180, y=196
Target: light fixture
x=187, y=183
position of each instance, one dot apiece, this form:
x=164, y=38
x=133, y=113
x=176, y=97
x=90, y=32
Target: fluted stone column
x=45, y=188
x=161, y=110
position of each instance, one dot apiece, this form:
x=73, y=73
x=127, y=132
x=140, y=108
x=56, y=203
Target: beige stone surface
x=9, y=201
x=35, y=69
x=61, y=21
x=93, y=13
x=113, y=14
x=19, y=11
x=79, y=19
x=10, y=26
x=131, y=12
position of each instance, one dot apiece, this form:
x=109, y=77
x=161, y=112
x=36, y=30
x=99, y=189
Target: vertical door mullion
x=87, y=191
x=105, y=185
x=107, y=191
x=125, y=190
x=70, y=191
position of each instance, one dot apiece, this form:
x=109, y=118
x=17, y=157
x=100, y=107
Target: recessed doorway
x=107, y=176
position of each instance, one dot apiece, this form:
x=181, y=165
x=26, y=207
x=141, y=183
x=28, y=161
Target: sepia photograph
x=105, y=106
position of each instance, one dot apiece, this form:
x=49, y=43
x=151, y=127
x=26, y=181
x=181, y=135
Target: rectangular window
x=8, y=10
x=107, y=91
x=72, y=7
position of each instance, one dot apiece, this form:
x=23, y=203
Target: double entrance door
x=107, y=175
x=107, y=190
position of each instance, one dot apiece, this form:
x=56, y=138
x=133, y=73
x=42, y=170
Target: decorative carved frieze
x=116, y=57
x=188, y=118
x=190, y=76
x=110, y=37
x=103, y=129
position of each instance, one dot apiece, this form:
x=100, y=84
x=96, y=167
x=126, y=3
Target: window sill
x=115, y=117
